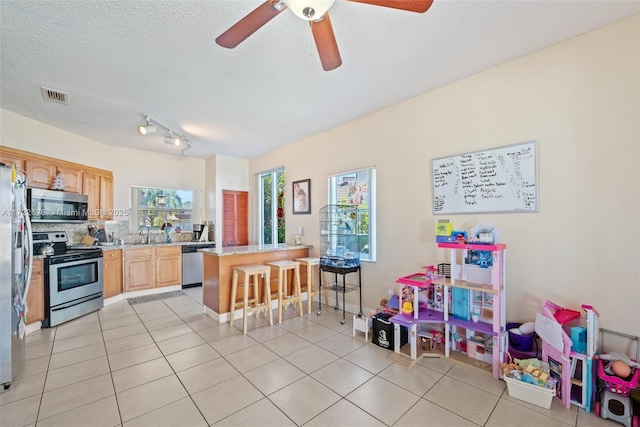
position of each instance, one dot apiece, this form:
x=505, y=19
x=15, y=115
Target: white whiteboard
x=503, y=179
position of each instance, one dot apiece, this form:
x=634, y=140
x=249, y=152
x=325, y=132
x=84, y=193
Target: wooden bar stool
x=311, y=292
x=296, y=297
x=249, y=272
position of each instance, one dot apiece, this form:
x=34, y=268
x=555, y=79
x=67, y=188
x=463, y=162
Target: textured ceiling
x=119, y=59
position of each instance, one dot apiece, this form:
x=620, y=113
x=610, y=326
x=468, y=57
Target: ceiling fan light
x=146, y=129
x=309, y=10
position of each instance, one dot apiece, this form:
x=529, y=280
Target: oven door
x=73, y=280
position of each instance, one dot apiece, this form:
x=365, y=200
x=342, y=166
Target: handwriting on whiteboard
x=496, y=180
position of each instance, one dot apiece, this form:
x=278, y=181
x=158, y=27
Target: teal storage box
x=579, y=339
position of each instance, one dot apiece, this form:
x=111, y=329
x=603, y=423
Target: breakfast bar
x=218, y=271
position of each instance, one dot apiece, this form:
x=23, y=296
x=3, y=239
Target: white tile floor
x=164, y=363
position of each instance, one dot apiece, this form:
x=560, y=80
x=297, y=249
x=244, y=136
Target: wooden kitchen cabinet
x=11, y=159
x=146, y=268
x=99, y=189
x=106, y=197
x=168, y=266
x=91, y=187
x=40, y=173
x=112, y=273
x=72, y=179
x=139, y=269
x=41, y=170
x=35, y=297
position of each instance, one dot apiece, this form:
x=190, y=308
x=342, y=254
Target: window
x=271, y=199
x=155, y=207
x=357, y=188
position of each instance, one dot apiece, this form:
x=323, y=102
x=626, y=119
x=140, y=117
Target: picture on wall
x=302, y=197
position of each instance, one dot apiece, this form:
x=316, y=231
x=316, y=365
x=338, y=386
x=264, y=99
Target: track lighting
x=146, y=129
x=172, y=138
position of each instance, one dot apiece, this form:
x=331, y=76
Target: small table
x=343, y=271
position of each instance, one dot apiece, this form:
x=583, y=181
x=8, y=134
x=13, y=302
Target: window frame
x=135, y=209
x=260, y=217
x=370, y=209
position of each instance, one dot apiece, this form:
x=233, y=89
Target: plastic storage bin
x=520, y=342
x=533, y=394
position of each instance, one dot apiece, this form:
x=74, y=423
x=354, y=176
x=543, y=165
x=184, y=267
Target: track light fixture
x=148, y=128
x=171, y=138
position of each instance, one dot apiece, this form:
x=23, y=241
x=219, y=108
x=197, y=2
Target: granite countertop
x=150, y=245
x=251, y=249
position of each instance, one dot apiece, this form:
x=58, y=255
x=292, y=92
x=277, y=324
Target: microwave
x=56, y=206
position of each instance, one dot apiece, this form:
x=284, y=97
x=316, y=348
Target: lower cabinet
x=112, y=273
x=147, y=268
x=168, y=266
x=35, y=297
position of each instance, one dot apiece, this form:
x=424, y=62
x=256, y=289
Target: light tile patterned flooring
x=164, y=363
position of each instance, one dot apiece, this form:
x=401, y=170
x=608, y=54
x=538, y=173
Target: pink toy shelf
x=474, y=329
x=420, y=313
x=571, y=369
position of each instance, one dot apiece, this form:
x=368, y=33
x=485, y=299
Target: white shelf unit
x=489, y=298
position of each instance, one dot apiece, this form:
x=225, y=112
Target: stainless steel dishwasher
x=192, y=264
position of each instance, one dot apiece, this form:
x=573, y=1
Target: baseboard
x=35, y=326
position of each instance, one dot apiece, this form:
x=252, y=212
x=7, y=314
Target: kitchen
x=87, y=207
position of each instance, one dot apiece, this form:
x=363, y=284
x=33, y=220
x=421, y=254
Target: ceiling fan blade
x=419, y=6
x=248, y=25
x=326, y=43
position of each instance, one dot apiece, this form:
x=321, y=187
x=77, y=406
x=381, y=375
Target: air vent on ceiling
x=55, y=96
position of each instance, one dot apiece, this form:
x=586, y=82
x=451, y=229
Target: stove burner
x=62, y=252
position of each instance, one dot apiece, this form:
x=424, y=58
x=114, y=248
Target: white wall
x=580, y=100
x=223, y=173
x=129, y=166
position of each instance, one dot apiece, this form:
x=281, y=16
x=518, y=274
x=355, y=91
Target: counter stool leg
x=280, y=294
x=234, y=292
x=267, y=295
x=245, y=303
x=298, y=290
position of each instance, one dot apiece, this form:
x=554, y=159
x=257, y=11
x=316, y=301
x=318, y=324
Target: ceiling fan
x=314, y=11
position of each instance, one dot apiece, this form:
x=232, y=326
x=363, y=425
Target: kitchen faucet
x=148, y=232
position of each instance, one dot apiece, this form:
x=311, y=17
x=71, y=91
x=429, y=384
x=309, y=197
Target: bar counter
x=218, y=266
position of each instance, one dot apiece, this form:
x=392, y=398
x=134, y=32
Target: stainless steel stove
x=73, y=278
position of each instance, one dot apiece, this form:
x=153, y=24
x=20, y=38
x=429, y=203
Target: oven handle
x=78, y=262
x=77, y=302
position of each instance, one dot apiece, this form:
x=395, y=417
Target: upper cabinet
x=99, y=188
x=106, y=197
x=11, y=159
x=91, y=187
x=77, y=178
x=72, y=179
x=40, y=174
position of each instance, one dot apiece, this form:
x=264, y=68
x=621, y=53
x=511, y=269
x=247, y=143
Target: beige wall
x=223, y=173
x=580, y=100
x=129, y=166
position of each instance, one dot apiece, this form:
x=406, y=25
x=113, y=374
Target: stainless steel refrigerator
x=16, y=263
